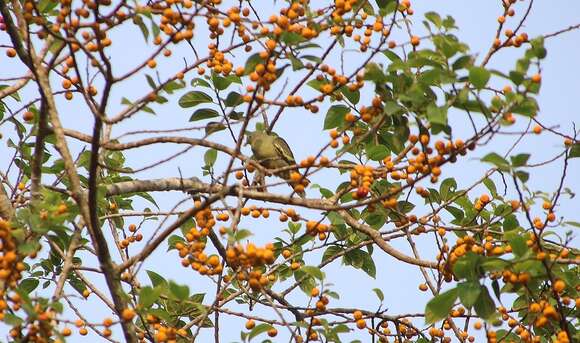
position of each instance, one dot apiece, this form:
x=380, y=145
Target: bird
x=272, y=152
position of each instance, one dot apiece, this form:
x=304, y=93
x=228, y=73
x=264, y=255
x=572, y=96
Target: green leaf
x=194, y=98
x=214, y=126
x=150, y=81
x=369, y=266
x=353, y=97
x=259, y=329
x=494, y=264
x=391, y=55
x=47, y=5
x=199, y=82
x=291, y=38
x=222, y=83
x=335, y=116
x=12, y=320
x=522, y=175
x=462, y=62
x=233, y=99
x=379, y=294
x=138, y=20
x=330, y=252
x=496, y=290
x=447, y=188
x=575, y=151
x=147, y=109
x=210, y=157
x=484, y=306
x=491, y=186
x=374, y=73
x=296, y=63
x=28, y=285
x=242, y=234
x=519, y=160
x=528, y=107
x=517, y=242
x=538, y=47
x=203, y=113
x=156, y=279
x=391, y=107
x=468, y=292
x=516, y=77
x=437, y=115
x=181, y=292
x=148, y=295
x=497, y=160
x=438, y=308
x=510, y=222
x=434, y=17
x=382, y=3
x=377, y=152
x=479, y=77
x=313, y=271
x=467, y=267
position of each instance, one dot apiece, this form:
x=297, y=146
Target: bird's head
x=252, y=136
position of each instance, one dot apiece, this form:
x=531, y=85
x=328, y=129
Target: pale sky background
x=477, y=24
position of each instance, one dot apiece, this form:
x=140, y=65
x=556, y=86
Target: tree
x=102, y=173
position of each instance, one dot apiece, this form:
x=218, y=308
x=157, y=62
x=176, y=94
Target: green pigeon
x=272, y=152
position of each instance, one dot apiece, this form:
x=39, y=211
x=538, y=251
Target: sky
x=477, y=22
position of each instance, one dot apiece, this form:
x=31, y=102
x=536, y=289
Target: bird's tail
x=299, y=186
x=297, y=183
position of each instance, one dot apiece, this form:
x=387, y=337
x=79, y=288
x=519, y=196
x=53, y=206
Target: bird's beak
x=248, y=135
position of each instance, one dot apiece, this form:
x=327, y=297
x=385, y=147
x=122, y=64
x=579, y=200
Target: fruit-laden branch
x=195, y=185
x=154, y=243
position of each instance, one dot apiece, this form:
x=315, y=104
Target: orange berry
x=536, y=78
x=107, y=322
x=357, y=315
x=535, y=308
x=11, y=52
x=250, y=324
x=559, y=286
x=314, y=292
x=66, y=332
x=415, y=40
x=272, y=332
x=128, y=314
x=28, y=116
x=361, y=324
x=537, y=129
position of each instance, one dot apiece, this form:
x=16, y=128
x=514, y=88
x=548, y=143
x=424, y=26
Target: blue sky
x=477, y=22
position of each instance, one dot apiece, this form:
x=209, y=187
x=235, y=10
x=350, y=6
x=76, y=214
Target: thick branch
x=386, y=247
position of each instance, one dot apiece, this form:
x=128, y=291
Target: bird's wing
x=284, y=150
